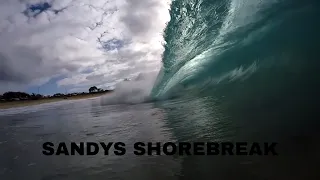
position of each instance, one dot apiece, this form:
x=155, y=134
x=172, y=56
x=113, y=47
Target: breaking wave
x=239, y=48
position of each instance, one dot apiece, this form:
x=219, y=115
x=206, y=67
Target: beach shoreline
x=24, y=103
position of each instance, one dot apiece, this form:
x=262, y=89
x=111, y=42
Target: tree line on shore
x=12, y=96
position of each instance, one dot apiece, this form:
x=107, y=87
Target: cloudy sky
x=73, y=44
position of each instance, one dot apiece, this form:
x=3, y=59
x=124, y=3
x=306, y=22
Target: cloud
x=89, y=42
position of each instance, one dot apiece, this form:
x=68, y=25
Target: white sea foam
x=132, y=92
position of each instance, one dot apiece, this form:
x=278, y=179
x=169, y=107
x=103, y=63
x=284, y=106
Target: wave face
x=239, y=46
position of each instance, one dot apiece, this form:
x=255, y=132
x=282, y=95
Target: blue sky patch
x=112, y=44
x=34, y=10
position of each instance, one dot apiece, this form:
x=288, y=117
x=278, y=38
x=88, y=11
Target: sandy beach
x=12, y=104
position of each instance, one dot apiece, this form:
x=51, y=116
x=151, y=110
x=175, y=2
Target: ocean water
x=237, y=70
x=23, y=132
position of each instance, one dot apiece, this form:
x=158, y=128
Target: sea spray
x=132, y=91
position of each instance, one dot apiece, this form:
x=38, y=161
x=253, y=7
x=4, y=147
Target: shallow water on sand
x=22, y=133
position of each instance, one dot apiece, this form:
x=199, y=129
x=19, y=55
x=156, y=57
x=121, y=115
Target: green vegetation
x=17, y=99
